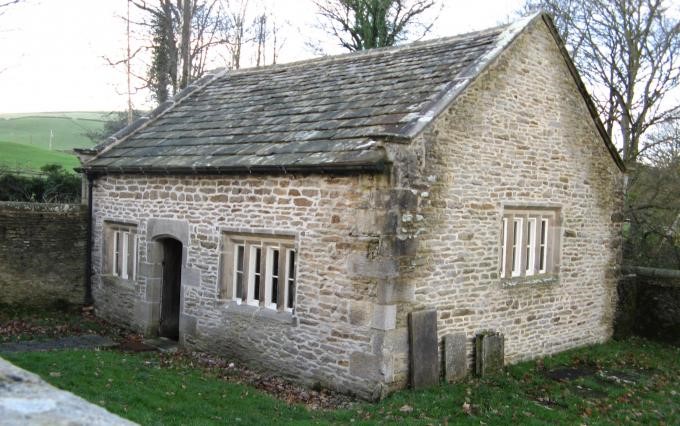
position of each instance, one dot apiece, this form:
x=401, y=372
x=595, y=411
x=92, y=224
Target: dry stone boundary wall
x=42, y=254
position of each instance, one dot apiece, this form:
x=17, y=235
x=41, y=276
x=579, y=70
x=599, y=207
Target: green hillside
x=20, y=157
x=67, y=129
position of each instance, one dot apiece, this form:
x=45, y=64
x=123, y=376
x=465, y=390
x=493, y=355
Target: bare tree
x=188, y=9
x=628, y=51
x=365, y=24
x=6, y=3
x=236, y=31
x=653, y=202
x=182, y=32
x=261, y=34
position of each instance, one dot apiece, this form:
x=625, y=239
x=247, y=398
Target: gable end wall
x=519, y=135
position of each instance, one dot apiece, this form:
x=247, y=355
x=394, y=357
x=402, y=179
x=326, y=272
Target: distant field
x=67, y=128
x=92, y=115
x=14, y=156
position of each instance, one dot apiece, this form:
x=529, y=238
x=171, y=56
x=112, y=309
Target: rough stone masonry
x=42, y=254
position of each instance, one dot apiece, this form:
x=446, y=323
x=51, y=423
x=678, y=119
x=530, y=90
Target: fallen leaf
x=406, y=409
x=55, y=374
x=467, y=408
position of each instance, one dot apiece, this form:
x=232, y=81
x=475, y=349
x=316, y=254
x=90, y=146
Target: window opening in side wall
x=259, y=270
x=529, y=239
x=120, y=247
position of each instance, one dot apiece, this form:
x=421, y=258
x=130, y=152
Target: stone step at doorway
x=162, y=344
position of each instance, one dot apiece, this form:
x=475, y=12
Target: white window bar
x=516, y=247
x=272, y=286
x=124, y=256
x=504, y=251
x=531, y=247
x=543, y=260
x=255, y=279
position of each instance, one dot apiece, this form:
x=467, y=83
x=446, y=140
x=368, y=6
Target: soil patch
x=567, y=374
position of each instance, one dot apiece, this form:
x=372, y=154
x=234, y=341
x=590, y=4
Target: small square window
x=529, y=242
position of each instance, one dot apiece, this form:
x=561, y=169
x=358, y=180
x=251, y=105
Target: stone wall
x=333, y=338
x=649, y=305
x=520, y=135
x=42, y=253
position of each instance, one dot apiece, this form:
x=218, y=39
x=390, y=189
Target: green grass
x=151, y=389
x=137, y=387
x=14, y=156
x=68, y=129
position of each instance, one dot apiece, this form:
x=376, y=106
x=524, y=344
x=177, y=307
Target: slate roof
x=331, y=113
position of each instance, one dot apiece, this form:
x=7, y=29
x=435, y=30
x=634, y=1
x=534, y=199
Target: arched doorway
x=170, y=288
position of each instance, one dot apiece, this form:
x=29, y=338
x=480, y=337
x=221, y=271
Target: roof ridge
x=376, y=51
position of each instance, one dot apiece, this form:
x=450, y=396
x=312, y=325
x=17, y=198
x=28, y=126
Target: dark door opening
x=170, y=293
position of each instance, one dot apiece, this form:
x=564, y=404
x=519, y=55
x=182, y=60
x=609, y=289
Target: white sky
x=52, y=52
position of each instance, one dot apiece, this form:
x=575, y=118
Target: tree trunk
x=185, y=47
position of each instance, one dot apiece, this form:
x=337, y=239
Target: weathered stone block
x=364, y=365
x=455, y=359
x=187, y=326
x=424, y=349
x=360, y=265
x=405, y=246
x=360, y=313
x=191, y=277
x=394, y=291
x=396, y=341
x=489, y=353
x=384, y=317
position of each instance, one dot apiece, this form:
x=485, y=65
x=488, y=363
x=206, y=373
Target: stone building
x=294, y=215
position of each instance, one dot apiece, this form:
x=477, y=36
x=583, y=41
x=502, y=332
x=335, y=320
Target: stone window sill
x=283, y=317
x=111, y=280
x=537, y=280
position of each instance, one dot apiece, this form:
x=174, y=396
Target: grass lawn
x=633, y=381
x=68, y=129
x=17, y=156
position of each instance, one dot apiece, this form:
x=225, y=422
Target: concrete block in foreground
x=26, y=399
